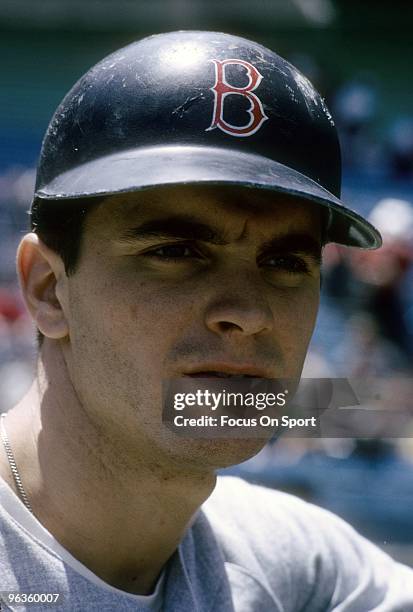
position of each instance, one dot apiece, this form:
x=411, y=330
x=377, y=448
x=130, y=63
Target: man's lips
x=227, y=370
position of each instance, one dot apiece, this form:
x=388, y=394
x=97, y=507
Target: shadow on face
x=187, y=279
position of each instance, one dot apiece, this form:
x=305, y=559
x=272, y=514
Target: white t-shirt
x=28, y=523
x=248, y=549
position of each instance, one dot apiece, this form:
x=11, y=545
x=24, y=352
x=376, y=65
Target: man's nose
x=240, y=308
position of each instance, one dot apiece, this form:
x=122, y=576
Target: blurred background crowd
x=359, y=56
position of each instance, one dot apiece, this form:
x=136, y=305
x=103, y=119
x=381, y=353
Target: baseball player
x=186, y=187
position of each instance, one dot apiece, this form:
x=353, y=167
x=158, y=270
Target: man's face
x=188, y=280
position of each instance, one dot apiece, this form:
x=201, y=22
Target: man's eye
x=173, y=252
x=291, y=264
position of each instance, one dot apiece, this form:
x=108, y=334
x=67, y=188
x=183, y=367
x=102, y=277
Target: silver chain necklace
x=12, y=463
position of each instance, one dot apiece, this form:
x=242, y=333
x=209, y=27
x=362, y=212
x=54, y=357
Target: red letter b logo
x=222, y=89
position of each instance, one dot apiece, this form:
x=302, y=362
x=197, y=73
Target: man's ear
x=41, y=274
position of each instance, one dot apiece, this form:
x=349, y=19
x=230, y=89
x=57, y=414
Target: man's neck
x=122, y=522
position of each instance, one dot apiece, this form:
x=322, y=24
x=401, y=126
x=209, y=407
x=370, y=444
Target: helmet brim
x=145, y=168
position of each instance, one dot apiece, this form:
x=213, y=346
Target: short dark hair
x=59, y=224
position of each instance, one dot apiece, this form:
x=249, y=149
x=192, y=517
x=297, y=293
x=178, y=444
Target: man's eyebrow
x=301, y=242
x=180, y=226
x=185, y=227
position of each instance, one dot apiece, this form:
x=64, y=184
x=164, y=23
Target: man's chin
x=217, y=453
